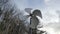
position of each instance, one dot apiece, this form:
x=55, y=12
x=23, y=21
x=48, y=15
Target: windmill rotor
x=34, y=13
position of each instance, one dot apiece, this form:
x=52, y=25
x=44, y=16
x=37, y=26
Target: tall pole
x=30, y=29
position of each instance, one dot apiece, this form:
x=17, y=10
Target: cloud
x=55, y=26
x=52, y=3
x=47, y=2
x=52, y=28
x=49, y=12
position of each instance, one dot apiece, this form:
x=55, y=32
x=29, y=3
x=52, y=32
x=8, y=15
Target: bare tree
x=11, y=24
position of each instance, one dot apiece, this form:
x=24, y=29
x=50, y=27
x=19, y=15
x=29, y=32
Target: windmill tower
x=33, y=19
x=59, y=15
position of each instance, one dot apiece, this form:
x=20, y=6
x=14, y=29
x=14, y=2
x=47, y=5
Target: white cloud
x=47, y=2
x=49, y=12
x=52, y=28
x=55, y=26
x=54, y=4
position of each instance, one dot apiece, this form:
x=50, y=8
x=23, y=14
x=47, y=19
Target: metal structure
x=33, y=19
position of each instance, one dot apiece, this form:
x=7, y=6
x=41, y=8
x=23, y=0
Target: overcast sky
x=47, y=7
x=49, y=10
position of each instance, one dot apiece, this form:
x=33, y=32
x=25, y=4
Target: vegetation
x=10, y=22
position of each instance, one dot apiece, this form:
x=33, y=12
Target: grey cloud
x=55, y=26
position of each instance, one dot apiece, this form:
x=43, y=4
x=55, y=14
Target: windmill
x=33, y=19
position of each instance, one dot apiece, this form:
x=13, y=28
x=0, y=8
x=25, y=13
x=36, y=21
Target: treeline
x=10, y=22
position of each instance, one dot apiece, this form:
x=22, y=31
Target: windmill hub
x=31, y=14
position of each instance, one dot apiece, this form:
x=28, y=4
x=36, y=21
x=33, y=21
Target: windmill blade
x=37, y=13
x=34, y=22
x=28, y=10
x=25, y=17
